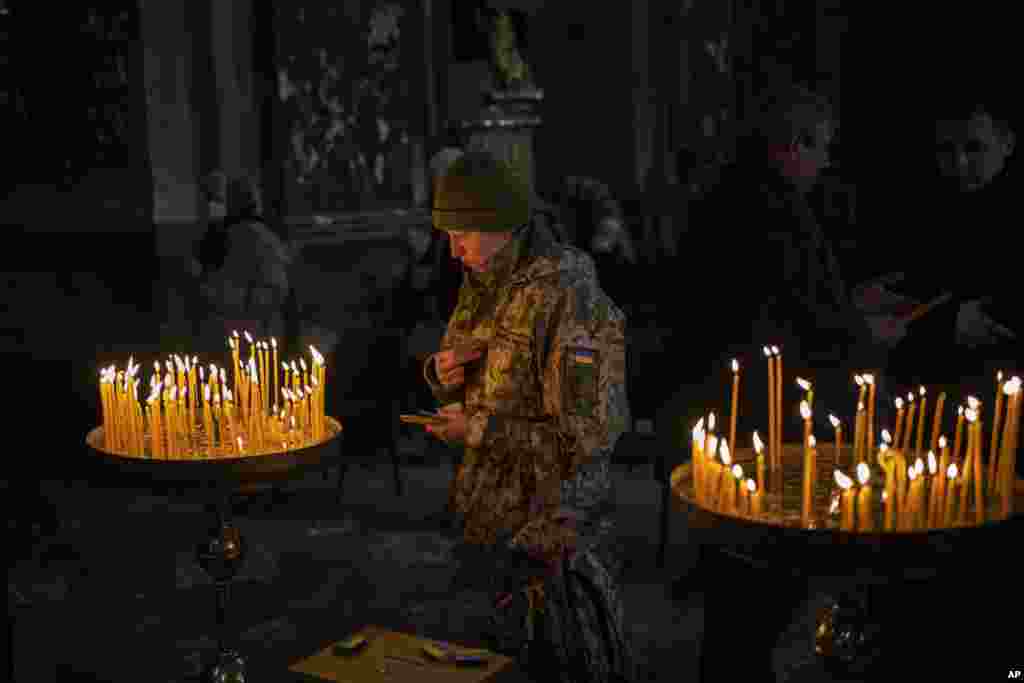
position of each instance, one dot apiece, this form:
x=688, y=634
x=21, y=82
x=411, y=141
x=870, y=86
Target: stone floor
x=130, y=603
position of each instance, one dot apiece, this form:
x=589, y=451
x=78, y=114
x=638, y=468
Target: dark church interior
x=511, y=340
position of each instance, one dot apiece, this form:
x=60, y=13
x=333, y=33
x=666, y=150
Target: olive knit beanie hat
x=480, y=193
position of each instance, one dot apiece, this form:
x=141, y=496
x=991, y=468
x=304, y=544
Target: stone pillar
x=238, y=121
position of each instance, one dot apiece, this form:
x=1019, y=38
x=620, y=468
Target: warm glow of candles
x=1008, y=457
x=969, y=471
x=959, y=433
x=937, y=422
x=899, y=418
x=949, y=514
x=809, y=475
x=697, y=456
x=772, y=455
x=869, y=379
x=933, y=489
x=735, y=399
x=913, y=508
x=921, y=417
x=808, y=389
x=726, y=488
x=846, y=501
x=839, y=437
x=778, y=405
x=905, y=446
x=755, y=498
x=865, y=510
x=889, y=493
x=993, y=453
x=739, y=504
x=759, y=450
x=858, y=432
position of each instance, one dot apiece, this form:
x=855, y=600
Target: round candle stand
x=864, y=570
x=222, y=552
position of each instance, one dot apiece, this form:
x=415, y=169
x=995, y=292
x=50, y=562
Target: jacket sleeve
x=581, y=358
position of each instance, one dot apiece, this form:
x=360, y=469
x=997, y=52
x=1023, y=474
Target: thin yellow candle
x=993, y=454
x=949, y=515
x=899, y=419
x=717, y=470
x=207, y=420
x=296, y=377
x=839, y=437
x=937, y=421
x=755, y=499
x=969, y=472
x=959, y=432
x=865, y=510
x=759, y=450
x=735, y=399
x=940, y=482
x=287, y=378
x=771, y=406
x=921, y=417
x=697, y=457
x=860, y=433
x=805, y=413
x=1008, y=460
x=869, y=379
x=808, y=391
x=979, y=476
x=809, y=474
x=900, y=489
x=846, y=503
x=887, y=463
x=916, y=494
x=252, y=347
x=778, y=405
x=273, y=367
x=905, y=446
x=738, y=505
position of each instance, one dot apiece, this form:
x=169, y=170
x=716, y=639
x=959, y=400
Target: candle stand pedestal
x=896, y=594
x=222, y=552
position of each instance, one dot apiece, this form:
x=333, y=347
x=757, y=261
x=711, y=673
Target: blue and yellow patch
x=581, y=380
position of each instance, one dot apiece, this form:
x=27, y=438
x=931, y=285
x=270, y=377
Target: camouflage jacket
x=547, y=403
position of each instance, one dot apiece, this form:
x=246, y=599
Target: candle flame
x=247, y=338
x=869, y=378
x=912, y=473
x=919, y=466
x=812, y=442
x=724, y=453
x=206, y=393
x=751, y=486
x=758, y=444
x=886, y=436
x=951, y=471
x=285, y=366
x=844, y=481
x=273, y=342
x=942, y=441
x=775, y=350
x=767, y=352
x=922, y=391
x=860, y=406
x=302, y=362
x=295, y=368
x=899, y=403
x=863, y=473
x=933, y=464
x=293, y=422
x=700, y=426
x=735, y=365
x=1012, y=386
x=241, y=446
x=833, y=507
x=971, y=415
x=711, y=422
x=737, y=471
x=228, y=395
x=805, y=410
x=834, y=420
x=973, y=403
x=859, y=380
x=883, y=448
x=174, y=393
x=910, y=397
x=960, y=411
x=885, y=496
x=803, y=384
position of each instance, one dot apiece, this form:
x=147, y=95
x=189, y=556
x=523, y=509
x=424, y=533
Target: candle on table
x=839, y=437
x=735, y=399
x=905, y=446
x=932, y=490
x=778, y=406
x=919, y=444
x=937, y=421
x=869, y=379
x=809, y=474
x=755, y=498
x=846, y=501
x=899, y=418
x=771, y=405
x=738, y=505
x=949, y=515
x=865, y=509
x=759, y=450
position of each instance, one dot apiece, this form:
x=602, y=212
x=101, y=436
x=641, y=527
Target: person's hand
x=450, y=365
x=454, y=430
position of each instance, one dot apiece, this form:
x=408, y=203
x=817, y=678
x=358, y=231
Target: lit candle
x=808, y=390
x=1008, y=460
x=937, y=421
x=712, y=470
x=900, y=488
x=919, y=444
x=979, y=476
x=724, y=481
x=869, y=379
x=940, y=481
x=899, y=419
x=905, y=447
x=931, y=490
x=889, y=494
x=207, y=420
x=273, y=366
x=846, y=501
x=287, y=376
x=959, y=433
x=949, y=516
x=735, y=397
x=865, y=511
x=993, y=454
x=697, y=456
x=858, y=433
x=805, y=413
x=839, y=436
x=755, y=499
x=778, y=406
x=914, y=506
x=739, y=506
x=809, y=474
x=771, y=407
x=969, y=472
x=758, y=449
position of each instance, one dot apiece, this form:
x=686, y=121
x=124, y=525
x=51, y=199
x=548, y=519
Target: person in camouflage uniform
x=532, y=373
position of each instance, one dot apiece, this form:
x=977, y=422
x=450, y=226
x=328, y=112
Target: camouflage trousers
x=567, y=625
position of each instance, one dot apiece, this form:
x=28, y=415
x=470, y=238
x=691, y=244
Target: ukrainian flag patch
x=583, y=356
